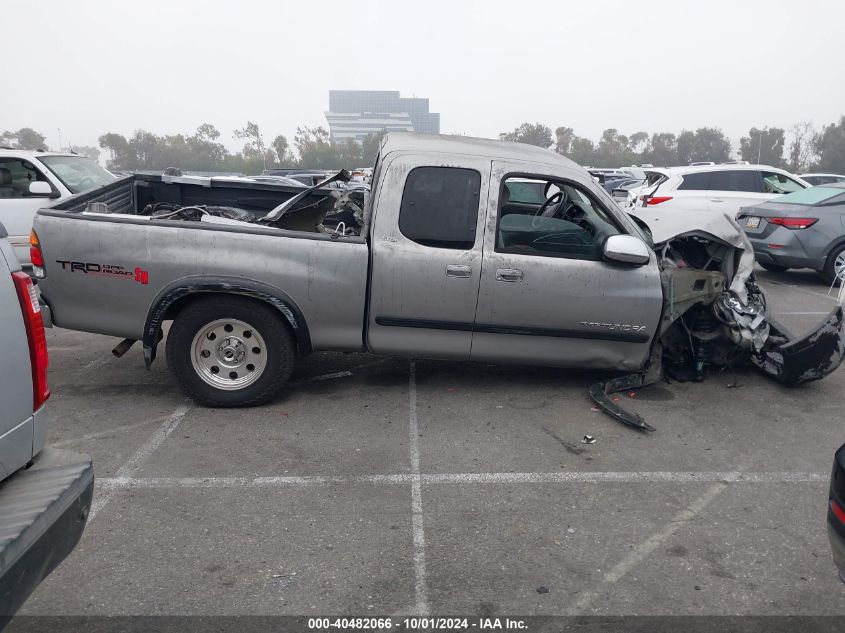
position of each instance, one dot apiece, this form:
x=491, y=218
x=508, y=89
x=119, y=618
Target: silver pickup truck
x=466, y=249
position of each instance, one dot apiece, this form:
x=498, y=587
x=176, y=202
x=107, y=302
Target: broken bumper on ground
x=809, y=358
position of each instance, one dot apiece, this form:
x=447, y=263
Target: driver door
x=546, y=296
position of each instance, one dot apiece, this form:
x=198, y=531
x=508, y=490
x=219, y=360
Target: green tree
x=86, y=150
x=662, y=150
x=705, y=144
x=370, y=147
x=24, y=138
x=282, y=149
x=803, y=147
x=254, y=146
x=122, y=155
x=763, y=146
x=530, y=133
x=563, y=140
x=582, y=151
x=612, y=149
x=831, y=147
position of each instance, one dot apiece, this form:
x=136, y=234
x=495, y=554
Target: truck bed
x=105, y=272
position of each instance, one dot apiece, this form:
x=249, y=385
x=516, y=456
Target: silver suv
x=45, y=493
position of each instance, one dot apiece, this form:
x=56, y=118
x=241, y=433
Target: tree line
x=802, y=148
x=808, y=149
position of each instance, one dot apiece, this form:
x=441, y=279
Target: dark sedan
x=803, y=229
x=836, y=512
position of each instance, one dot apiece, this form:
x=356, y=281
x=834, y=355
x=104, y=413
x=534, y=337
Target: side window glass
x=735, y=180
x=699, y=181
x=573, y=225
x=15, y=177
x=779, y=183
x=440, y=207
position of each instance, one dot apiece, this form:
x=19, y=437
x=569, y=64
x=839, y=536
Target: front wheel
x=230, y=351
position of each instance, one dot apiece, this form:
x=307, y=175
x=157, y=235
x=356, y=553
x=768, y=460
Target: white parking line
x=417, y=523
x=468, y=478
x=141, y=455
x=802, y=313
x=799, y=289
x=639, y=553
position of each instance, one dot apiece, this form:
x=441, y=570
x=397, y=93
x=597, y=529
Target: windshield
x=811, y=196
x=778, y=183
x=77, y=173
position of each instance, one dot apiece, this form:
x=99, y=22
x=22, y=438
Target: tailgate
x=43, y=511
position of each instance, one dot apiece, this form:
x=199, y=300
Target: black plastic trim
x=228, y=285
x=519, y=330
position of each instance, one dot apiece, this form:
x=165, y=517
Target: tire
x=774, y=268
x=229, y=351
x=829, y=271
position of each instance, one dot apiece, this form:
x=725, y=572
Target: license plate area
x=752, y=223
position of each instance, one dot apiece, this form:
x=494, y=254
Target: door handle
x=454, y=270
x=508, y=274
x=716, y=200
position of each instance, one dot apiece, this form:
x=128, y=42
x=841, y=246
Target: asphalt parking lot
x=388, y=486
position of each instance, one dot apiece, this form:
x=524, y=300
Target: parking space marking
x=141, y=455
x=417, y=522
x=467, y=478
x=794, y=287
x=802, y=313
x=639, y=553
x=339, y=374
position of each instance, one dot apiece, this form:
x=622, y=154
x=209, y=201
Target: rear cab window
x=440, y=207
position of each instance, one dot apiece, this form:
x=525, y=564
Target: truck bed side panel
x=103, y=275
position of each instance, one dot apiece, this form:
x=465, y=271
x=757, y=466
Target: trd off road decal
x=106, y=270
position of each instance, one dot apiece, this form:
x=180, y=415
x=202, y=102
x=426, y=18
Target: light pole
x=760, y=144
x=59, y=130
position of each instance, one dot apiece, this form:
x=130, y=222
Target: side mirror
x=626, y=249
x=40, y=189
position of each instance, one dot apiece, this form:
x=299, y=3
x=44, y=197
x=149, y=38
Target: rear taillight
x=837, y=510
x=793, y=223
x=652, y=200
x=28, y=297
x=35, y=255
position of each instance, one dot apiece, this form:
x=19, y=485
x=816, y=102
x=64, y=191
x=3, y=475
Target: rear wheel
x=774, y=268
x=834, y=266
x=230, y=351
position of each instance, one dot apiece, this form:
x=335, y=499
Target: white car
x=31, y=179
x=718, y=188
x=822, y=179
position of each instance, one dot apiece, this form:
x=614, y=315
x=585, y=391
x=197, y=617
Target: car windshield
x=811, y=196
x=77, y=173
x=778, y=183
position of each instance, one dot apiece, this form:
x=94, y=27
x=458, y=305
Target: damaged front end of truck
x=715, y=315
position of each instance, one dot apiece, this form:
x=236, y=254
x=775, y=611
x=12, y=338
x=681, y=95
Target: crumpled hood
x=666, y=226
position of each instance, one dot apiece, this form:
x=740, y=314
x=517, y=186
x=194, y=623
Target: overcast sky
x=94, y=66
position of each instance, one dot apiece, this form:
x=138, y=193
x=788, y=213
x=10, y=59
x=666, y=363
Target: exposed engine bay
x=715, y=315
x=336, y=212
